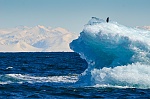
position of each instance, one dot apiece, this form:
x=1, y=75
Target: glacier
x=117, y=55
x=35, y=39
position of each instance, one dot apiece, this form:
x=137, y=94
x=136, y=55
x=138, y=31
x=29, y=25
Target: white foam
x=9, y=67
x=134, y=75
x=19, y=78
x=111, y=86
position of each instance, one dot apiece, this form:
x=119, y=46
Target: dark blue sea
x=48, y=75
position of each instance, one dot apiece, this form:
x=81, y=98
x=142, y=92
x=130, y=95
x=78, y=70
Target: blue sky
x=72, y=14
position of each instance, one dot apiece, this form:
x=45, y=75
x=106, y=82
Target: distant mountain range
x=144, y=27
x=35, y=39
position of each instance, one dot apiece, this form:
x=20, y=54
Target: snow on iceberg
x=116, y=54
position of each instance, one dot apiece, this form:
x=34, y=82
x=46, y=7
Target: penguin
x=107, y=20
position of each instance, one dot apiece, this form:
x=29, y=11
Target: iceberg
x=117, y=55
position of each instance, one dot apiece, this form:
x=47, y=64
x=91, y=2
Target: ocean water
x=54, y=75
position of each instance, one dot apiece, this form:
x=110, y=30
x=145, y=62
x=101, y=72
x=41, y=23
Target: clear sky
x=72, y=14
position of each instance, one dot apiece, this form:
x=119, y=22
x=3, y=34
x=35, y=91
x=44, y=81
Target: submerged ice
x=117, y=55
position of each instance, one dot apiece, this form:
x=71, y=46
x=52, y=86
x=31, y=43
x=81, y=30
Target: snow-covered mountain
x=144, y=27
x=35, y=39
